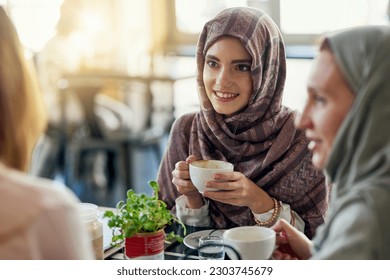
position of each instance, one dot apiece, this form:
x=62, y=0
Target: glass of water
x=212, y=248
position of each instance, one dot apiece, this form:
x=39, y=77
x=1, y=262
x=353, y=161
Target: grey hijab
x=359, y=164
x=361, y=150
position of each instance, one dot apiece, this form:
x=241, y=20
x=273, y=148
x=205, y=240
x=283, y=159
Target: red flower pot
x=145, y=246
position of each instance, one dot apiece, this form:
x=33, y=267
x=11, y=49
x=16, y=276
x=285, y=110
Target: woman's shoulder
x=25, y=199
x=24, y=195
x=184, y=122
x=186, y=118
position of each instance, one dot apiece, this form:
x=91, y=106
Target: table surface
x=173, y=251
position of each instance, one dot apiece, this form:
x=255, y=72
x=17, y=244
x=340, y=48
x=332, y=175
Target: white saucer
x=191, y=240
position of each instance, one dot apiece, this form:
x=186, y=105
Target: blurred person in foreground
x=241, y=71
x=39, y=218
x=346, y=117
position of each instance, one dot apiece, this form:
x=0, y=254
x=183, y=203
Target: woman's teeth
x=311, y=145
x=225, y=95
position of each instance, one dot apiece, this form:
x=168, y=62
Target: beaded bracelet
x=274, y=217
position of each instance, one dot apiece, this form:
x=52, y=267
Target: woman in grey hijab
x=347, y=120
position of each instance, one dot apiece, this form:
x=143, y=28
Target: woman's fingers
x=278, y=255
x=228, y=176
x=181, y=171
x=181, y=165
x=184, y=186
x=190, y=159
x=228, y=181
x=233, y=188
x=292, y=241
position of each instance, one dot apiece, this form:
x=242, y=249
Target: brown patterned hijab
x=250, y=132
x=260, y=140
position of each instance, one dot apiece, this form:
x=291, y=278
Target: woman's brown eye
x=244, y=67
x=212, y=64
x=319, y=99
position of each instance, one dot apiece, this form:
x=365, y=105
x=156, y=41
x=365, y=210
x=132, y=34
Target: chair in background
x=96, y=143
x=85, y=148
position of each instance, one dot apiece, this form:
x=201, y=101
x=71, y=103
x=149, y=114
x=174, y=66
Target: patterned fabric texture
x=260, y=140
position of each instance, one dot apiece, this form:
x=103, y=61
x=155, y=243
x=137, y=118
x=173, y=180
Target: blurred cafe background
x=116, y=73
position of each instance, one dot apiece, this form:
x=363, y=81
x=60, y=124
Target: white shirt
x=39, y=220
x=200, y=217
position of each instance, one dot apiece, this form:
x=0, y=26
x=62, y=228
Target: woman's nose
x=302, y=120
x=224, y=77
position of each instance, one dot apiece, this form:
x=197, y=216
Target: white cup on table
x=251, y=242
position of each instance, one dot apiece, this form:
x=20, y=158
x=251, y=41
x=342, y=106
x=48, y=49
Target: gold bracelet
x=274, y=217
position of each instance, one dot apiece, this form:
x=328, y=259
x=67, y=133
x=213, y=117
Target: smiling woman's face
x=227, y=75
x=329, y=100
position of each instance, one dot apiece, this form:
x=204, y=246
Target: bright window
x=314, y=17
x=301, y=21
x=191, y=15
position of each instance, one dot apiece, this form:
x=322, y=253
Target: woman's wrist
x=195, y=201
x=263, y=206
x=277, y=209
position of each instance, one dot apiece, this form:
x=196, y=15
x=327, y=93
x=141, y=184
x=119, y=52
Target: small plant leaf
x=141, y=213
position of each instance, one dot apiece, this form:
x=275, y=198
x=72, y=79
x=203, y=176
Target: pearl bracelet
x=274, y=217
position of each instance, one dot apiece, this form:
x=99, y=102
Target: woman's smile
x=225, y=96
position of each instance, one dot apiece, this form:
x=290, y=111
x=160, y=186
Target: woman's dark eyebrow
x=249, y=61
x=311, y=91
x=210, y=56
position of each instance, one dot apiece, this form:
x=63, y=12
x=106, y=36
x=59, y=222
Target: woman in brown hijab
x=241, y=70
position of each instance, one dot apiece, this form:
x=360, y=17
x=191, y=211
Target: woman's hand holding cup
x=181, y=179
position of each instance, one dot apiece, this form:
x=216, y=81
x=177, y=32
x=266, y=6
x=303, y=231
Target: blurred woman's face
x=227, y=75
x=329, y=100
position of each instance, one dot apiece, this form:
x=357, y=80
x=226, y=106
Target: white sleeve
x=61, y=235
x=192, y=217
x=286, y=213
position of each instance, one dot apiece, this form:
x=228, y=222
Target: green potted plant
x=139, y=224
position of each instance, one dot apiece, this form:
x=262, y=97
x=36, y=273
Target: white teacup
x=252, y=242
x=202, y=171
